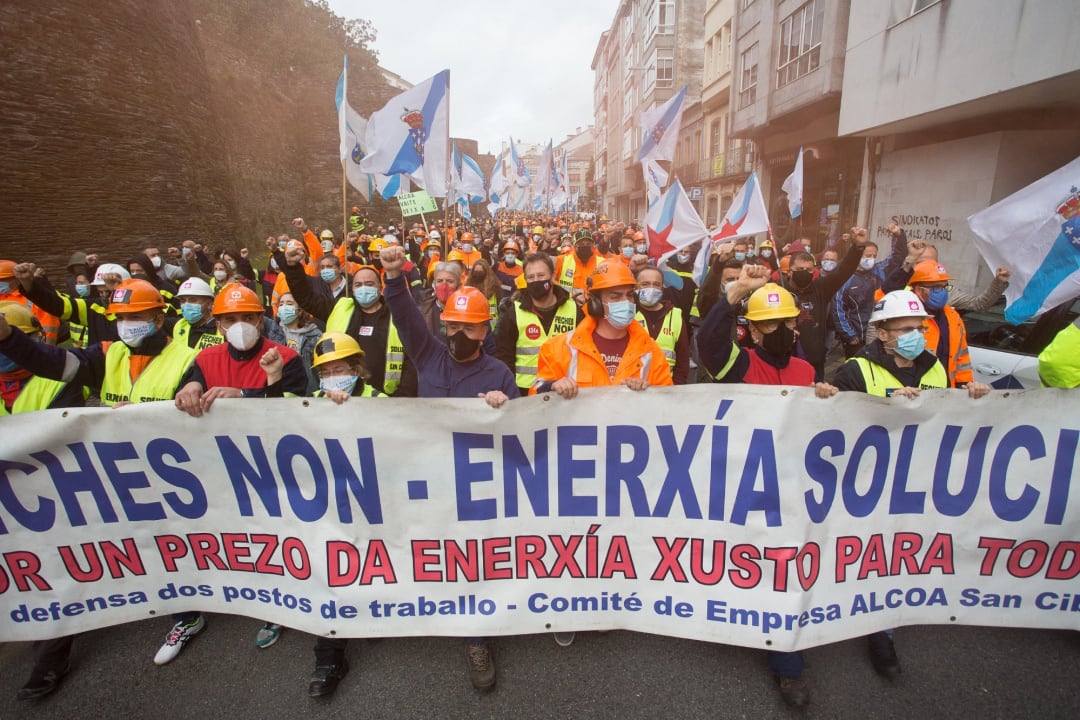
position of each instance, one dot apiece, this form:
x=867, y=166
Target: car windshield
x=988, y=329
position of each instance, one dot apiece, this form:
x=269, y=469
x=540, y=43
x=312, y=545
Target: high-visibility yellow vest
x=158, y=381
x=880, y=381
x=37, y=394
x=531, y=335
x=339, y=320
x=670, y=331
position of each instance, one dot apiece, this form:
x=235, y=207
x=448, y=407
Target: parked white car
x=1006, y=356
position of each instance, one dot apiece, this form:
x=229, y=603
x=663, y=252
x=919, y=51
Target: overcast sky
x=517, y=67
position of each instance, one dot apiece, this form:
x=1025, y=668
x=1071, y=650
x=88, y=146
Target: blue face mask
x=621, y=313
x=937, y=299
x=5, y=288
x=366, y=295
x=766, y=253
x=911, y=345
x=286, y=314
x=740, y=256
x=82, y=290
x=328, y=274
x=7, y=364
x=192, y=312
x=628, y=252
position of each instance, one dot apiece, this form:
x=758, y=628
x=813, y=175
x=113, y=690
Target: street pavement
x=948, y=672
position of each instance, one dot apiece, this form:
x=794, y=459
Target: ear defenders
x=593, y=305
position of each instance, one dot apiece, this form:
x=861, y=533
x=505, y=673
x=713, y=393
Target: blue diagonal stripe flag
x=661, y=128
x=410, y=136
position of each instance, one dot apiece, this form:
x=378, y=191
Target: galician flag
x=656, y=179
x=746, y=216
x=410, y=136
x=351, y=129
x=661, y=128
x=1035, y=232
x=793, y=186
x=672, y=223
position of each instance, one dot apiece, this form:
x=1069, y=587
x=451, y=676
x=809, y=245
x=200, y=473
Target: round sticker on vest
x=532, y=332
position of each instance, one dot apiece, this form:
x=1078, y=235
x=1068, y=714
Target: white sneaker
x=177, y=637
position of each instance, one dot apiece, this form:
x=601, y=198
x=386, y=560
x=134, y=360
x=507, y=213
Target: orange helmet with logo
x=511, y=245
x=467, y=237
x=235, y=298
x=132, y=296
x=467, y=305
x=928, y=271
x=611, y=275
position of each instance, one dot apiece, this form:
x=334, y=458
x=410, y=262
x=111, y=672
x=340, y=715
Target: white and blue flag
x=351, y=130
x=1035, y=232
x=410, y=136
x=661, y=127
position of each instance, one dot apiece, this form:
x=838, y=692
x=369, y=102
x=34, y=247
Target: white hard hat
x=391, y=239
x=195, y=287
x=898, y=304
x=435, y=234
x=107, y=269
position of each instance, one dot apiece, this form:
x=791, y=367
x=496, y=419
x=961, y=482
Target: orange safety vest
x=958, y=363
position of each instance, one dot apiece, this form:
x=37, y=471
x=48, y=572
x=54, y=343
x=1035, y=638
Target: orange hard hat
x=235, y=298
x=611, y=275
x=928, y=271
x=132, y=296
x=639, y=235
x=467, y=237
x=511, y=245
x=467, y=305
x=7, y=268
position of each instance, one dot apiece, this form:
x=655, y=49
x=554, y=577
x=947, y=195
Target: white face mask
x=220, y=275
x=867, y=263
x=232, y=264
x=133, y=332
x=242, y=336
x=344, y=383
x=327, y=245
x=156, y=261
x=650, y=296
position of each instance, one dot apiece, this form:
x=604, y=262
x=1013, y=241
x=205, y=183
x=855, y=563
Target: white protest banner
x=757, y=516
x=416, y=203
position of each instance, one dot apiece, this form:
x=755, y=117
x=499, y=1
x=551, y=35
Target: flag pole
x=344, y=204
x=449, y=160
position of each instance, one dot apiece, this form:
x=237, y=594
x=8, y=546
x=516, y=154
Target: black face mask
x=376, y=262
x=584, y=252
x=461, y=345
x=801, y=278
x=538, y=288
x=780, y=342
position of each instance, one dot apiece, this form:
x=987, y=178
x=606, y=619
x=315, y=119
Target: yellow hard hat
x=335, y=346
x=377, y=244
x=19, y=316
x=771, y=302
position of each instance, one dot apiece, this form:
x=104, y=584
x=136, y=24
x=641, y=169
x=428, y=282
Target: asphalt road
x=949, y=672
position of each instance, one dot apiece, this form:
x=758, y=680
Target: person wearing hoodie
x=301, y=334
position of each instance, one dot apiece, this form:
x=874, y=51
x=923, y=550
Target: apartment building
x=652, y=49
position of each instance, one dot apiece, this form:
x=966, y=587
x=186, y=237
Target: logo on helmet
x=773, y=299
x=913, y=306
x=235, y=295
x=121, y=296
x=461, y=302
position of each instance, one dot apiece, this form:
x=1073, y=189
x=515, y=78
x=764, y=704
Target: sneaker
x=883, y=655
x=268, y=635
x=564, y=639
x=794, y=691
x=481, y=665
x=325, y=679
x=177, y=637
x=40, y=685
